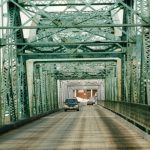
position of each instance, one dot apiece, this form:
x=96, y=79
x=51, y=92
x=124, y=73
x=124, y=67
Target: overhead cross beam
x=79, y=55
x=76, y=26
x=67, y=4
x=46, y=44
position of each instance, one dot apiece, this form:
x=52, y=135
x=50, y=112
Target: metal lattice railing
x=138, y=114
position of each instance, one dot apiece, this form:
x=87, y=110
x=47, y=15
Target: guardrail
x=137, y=114
x=14, y=125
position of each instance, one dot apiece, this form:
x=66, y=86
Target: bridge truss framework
x=75, y=30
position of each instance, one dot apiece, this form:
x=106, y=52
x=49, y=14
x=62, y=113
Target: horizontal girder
x=79, y=78
x=67, y=2
x=76, y=26
x=79, y=55
x=46, y=44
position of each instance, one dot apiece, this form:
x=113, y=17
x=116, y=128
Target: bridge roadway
x=92, y=128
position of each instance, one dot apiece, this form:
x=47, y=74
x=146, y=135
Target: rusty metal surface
x=91, y=128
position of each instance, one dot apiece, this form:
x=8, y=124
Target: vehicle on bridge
x=91, y=101
x=71, y=104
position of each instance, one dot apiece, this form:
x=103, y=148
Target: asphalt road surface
x=92, y=128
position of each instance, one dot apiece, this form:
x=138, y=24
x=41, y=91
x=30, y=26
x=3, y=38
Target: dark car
x=71, y=104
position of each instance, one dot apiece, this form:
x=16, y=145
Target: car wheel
x=77, y=109
x=65, y=110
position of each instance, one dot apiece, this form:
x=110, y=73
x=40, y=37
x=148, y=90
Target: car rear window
x=71, y=101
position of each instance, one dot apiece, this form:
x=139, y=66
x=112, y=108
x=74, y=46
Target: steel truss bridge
x=47, y=46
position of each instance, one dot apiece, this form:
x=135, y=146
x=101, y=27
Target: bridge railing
x=138, y=114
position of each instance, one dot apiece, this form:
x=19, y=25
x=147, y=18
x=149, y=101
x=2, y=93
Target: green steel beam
x=68, y=4
x=78, y=55
x=76, y=26
x=79, y=78
x=46, y=44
